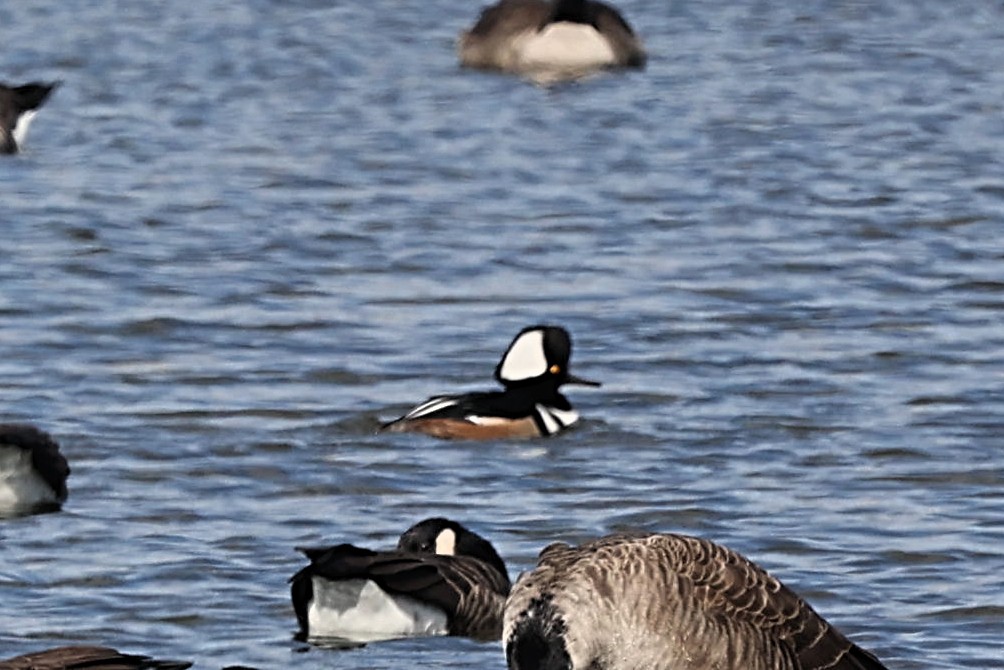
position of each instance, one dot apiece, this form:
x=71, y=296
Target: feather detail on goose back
x=665, y=602
x=468, y=586
x=91, y=658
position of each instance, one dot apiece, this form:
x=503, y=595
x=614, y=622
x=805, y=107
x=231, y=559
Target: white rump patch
x=20, y=485
x=525, y=359
x=20, y=130
x=566, y=46
x=360, y=611
x=555, y=419
x=446, y=542
x=431, y=406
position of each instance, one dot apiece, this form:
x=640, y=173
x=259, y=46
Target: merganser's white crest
x=525, y=358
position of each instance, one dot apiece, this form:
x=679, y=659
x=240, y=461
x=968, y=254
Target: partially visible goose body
x=32, y=470
x=18, y=105
x=91, y=658
x=665, y=602
x=442, y=579
x=549, y=41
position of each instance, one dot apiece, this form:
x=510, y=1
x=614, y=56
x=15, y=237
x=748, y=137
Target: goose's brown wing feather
x=626, y=45
x=743, y=591
x=417, y=575
x=731, y=588
x=469, y=591
x=88, y=658
x=511, y=16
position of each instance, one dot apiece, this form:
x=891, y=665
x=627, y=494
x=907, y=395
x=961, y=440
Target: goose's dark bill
x=442, y=579
x=665, y=602
x=89, y=658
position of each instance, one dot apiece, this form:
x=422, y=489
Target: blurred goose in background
x=18, y=106
x=442, y=579
x=551, y=41
x=665, y=602
x=32, y=470
x=89, y=658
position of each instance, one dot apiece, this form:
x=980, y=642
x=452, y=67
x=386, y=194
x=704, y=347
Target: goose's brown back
x=89, y=658
x=672, y=602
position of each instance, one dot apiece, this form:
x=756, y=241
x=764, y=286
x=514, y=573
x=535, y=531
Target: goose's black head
x=449, y=538
x=537, y=640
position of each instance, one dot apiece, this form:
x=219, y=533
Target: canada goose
x=18, y=105
x=441, y=580
x=665, y=602
x=550, y=40
x=91, y=658
x=32, y=471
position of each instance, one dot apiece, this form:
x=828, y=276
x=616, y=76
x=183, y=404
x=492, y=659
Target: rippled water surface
x=244, y=233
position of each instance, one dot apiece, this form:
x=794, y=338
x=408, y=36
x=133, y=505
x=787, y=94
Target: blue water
x=244, y=234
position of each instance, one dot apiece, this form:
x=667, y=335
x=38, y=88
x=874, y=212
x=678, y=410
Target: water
x=243, y=234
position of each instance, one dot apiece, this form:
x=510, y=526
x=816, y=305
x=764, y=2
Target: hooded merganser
x=92, y=658
x=18, y=105
x=442, y=579
x=663, y=602
x=532, y=369
x=32, y=471
x=550, y=39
